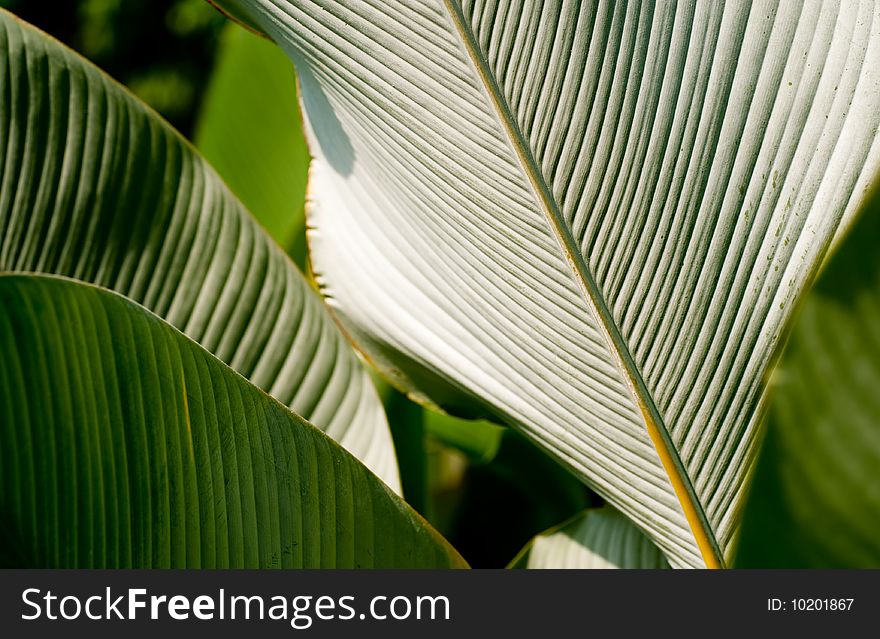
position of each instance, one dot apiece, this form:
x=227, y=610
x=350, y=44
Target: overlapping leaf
x=125, y=444
x=96, y=187
x=589, y=220
x=598, y=538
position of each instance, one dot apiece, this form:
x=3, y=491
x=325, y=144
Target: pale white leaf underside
x=588, y=219
x=599, y=538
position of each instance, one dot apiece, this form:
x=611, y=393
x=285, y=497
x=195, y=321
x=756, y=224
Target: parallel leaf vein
x=659, y=434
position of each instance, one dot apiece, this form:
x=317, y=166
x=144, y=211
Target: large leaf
x=248, y=131
x=93, y=185
x=589, y=220
x=815, y=502
x=598, y=538
x=125, y=444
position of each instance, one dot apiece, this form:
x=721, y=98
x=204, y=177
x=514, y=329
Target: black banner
x=101, y=603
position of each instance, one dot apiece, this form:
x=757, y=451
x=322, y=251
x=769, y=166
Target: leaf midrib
x=693, y=510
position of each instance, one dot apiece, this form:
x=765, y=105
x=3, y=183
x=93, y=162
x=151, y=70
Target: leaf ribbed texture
x=125, y=444
x=589, y=220
x=599, y=538
x=95, y=186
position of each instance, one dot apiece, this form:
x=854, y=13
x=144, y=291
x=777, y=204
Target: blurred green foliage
x=163, y=50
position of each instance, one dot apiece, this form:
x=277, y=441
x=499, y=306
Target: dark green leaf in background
x=815, y=499
x=250, y=131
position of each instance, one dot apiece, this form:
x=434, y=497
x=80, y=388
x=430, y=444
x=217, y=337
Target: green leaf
x=95, y=186
x=125, y=444
x=815, y=500
x=407, y=429
x=597, y=538
x=478, y=440
x=589, y=221
x=250, y=131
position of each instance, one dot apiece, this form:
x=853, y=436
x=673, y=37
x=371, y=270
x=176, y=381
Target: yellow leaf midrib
x=703, y=534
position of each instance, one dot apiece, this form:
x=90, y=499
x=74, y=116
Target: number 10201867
x=810, y=604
